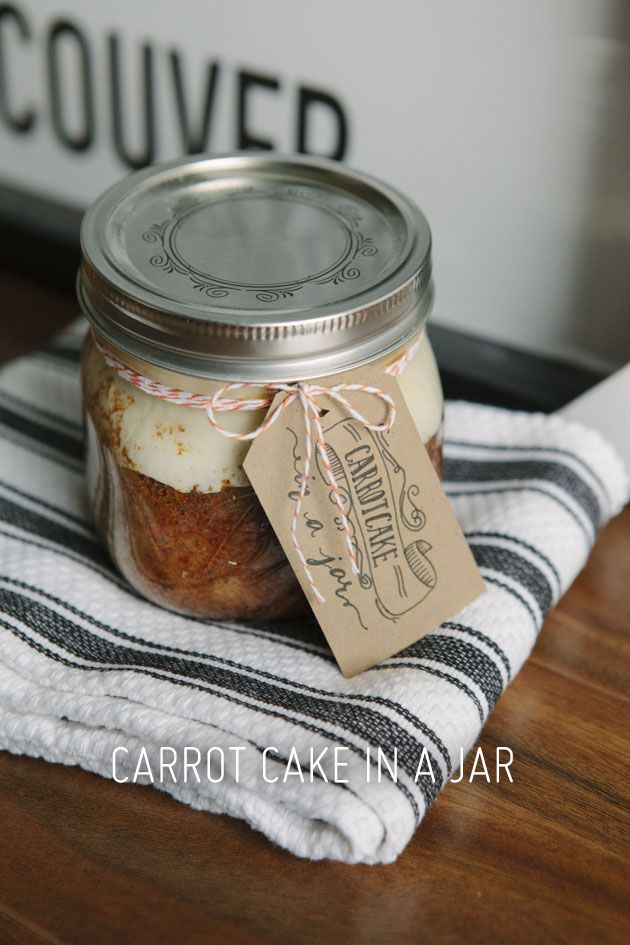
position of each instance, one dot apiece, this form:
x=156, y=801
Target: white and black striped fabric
x=86, y=666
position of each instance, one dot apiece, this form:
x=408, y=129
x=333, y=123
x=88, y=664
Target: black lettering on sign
x=69, y=59
x=309, y=97
x=119, y=92
x=195, y=139
x=20, y=120
x=59, y=32
x=247, y=82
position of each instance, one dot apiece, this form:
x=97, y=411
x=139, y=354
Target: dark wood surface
x=85, y=861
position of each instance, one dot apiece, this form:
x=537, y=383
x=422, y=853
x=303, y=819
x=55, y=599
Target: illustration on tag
x=394, y=564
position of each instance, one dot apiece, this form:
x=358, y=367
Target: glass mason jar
x=246, y=268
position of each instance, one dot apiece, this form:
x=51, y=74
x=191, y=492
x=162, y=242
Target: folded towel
x=90, y=672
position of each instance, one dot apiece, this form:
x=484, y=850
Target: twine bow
x=307, y=394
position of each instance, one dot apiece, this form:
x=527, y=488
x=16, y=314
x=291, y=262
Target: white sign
x=492, y=115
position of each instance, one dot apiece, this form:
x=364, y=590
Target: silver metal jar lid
x=255, y=267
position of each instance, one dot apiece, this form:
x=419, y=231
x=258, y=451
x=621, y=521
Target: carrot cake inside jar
x=241, y=270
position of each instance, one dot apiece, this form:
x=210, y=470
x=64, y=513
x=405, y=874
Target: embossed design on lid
x=340, y=237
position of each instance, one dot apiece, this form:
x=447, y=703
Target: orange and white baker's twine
x=307, y=394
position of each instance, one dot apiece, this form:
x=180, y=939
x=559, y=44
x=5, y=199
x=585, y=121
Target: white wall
x=506, y=120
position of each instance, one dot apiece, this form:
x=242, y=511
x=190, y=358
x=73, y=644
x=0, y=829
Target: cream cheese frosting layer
x=177, y=446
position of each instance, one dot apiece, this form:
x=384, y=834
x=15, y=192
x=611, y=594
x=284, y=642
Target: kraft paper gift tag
x=415, y=567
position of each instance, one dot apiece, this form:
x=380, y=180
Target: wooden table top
x=85, y=861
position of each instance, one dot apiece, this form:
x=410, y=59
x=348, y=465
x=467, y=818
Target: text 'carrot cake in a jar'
x=250, y=269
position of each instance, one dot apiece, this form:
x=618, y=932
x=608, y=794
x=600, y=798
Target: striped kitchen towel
x=257, y=721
